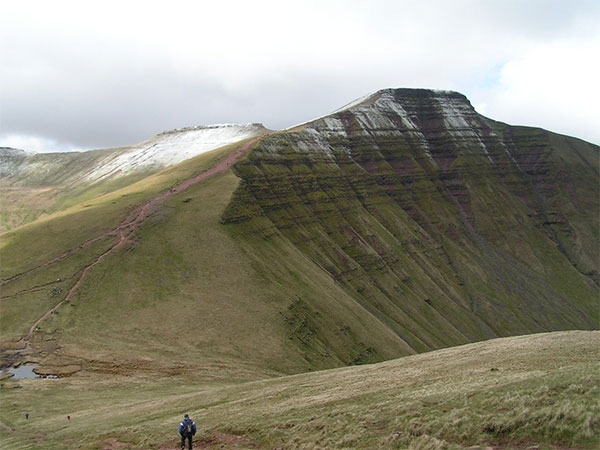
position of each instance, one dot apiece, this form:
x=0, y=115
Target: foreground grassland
x=538, y=390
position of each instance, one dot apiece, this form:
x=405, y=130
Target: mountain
x=402, y=223
x=433, y=217
x=36, y=183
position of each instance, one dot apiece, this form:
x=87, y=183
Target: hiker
x=187, y=429
x=27, y=415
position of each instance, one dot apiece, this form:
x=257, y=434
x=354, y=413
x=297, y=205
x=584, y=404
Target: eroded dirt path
x=124, y=232
x=140, y=213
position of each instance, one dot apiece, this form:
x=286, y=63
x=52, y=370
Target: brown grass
x=506, y=393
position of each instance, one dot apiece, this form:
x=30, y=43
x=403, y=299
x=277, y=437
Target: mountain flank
x=402, y=223
x=433, y=217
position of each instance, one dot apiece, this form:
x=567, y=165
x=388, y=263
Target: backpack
x=187, y=427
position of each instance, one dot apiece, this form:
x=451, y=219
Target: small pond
x=22, y=372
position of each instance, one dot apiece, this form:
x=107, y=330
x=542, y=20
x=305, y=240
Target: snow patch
x=316, y=142
x=456, y=115
x=352, y=104
x=172, y=147
x=453, y=112
x=16, y=151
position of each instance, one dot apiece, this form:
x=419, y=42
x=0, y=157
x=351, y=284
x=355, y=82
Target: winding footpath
x=124, y=233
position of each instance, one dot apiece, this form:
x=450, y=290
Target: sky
x=83, y=75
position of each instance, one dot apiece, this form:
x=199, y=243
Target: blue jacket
x=182, y=426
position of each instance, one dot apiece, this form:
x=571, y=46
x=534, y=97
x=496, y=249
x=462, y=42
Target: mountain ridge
x=56, y=180
x=401, y=224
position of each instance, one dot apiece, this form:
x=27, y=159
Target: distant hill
x=402, y=223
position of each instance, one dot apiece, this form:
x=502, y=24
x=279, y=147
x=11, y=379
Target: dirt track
x=124, y=232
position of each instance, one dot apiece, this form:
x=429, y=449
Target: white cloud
x=553, y=85
x=35, y=144
x=118, y=72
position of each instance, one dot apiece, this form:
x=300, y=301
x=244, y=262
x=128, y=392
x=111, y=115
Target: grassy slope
x=33, y=244
x=188, y=285
x=511, y=393
x=397, y=243
x=53, y=182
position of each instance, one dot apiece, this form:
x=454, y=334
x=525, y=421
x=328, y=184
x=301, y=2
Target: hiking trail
x=124, y=232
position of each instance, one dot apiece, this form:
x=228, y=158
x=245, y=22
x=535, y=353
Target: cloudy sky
x=82, y=75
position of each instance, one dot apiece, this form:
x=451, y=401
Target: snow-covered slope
x=18, y=167
x=36, y=183
x=10, y=159
x=172, y=147
x=350, y=105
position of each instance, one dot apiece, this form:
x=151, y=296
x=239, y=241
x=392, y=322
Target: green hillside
x=538, y=391
x=462, y=231
x=405, y=224
x=402, y=225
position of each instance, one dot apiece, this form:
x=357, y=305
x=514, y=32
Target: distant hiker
x=68, y=417
x=187, y=429
x=27, y=416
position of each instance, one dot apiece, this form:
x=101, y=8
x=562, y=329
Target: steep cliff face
x=445, y=225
